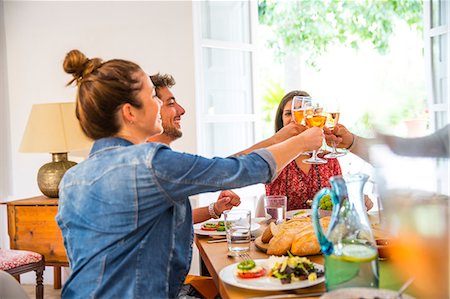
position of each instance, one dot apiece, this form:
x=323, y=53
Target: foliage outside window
x=313, y=27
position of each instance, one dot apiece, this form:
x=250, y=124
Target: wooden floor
x=49, y=291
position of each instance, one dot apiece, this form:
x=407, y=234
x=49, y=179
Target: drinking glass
x=332, y=110
x=314, y=117
x=238, y=230
x=416, y=213
x=275, y=206
x=298, y=110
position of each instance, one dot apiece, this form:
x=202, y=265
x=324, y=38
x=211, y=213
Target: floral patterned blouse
x=300, y=187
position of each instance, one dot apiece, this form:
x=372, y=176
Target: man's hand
x=368, y=202
x=340, y=135
x=226, y=200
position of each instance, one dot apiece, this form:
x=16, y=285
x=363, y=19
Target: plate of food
x=277, y=273
x=217, y=228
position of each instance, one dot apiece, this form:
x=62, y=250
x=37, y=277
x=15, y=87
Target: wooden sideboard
x=32, y=226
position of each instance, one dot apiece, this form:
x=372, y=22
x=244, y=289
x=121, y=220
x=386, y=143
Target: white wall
x=157, y=35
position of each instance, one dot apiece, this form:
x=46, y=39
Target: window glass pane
x=439, y=15
x=225, y=139
x=440, y=119
x=228, y=82
x=442, y=177
x=440, y=63
x=226, y=20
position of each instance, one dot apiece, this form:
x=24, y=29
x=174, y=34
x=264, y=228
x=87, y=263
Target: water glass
x=275, y=206
x=238, y=230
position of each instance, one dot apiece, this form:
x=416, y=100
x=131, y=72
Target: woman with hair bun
x=124, y=212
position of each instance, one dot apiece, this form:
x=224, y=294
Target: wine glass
x=333, y=112
x=314, y=117
x=298, y=110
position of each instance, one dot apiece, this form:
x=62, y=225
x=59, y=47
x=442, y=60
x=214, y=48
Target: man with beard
x=171, y=112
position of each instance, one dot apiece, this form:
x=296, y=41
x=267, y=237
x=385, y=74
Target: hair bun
x=77, y=64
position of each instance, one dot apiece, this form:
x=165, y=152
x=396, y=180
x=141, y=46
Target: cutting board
x=260, y=245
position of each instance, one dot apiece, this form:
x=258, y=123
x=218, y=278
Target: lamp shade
x=53, y=128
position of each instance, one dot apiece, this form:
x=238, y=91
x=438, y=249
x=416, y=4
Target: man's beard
x=173, y=133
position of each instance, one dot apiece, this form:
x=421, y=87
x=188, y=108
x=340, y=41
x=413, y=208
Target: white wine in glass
x=332, y=119
x=333, y=113
x=298, y=108
x=314, y=117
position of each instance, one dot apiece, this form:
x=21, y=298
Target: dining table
x=214, y=257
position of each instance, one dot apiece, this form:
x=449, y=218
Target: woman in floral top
x=299, y=181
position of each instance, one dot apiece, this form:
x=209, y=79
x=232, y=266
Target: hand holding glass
x=314, y=117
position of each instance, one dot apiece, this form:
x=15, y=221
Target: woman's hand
x=288, y=131
x=312, y=139
x=227, y=199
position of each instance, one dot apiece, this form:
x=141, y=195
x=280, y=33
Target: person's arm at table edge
x=290, y=130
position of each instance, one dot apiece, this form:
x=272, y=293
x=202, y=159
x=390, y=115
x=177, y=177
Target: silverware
x=404, y=287
x=281, y=296
x=217, y=240
x=223, y=240
x=244, y=256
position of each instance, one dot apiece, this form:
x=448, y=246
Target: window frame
x=200, y=43
x=442, y=165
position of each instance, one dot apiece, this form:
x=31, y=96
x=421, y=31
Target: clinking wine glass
x=314, y=117
x=333, y=112
x=298, y=108
x=298, y=111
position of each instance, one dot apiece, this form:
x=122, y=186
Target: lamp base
x=50, y=174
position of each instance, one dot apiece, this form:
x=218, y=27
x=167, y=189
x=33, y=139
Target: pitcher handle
x=325, y=244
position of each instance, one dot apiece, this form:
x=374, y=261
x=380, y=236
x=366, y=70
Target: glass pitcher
x=351, y=257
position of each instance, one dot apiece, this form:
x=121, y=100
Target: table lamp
x=53, y=128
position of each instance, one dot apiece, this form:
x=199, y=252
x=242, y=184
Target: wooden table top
x=214, y=255
x=40, y=200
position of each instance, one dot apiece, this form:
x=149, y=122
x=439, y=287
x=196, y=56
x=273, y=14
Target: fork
x=245, y=256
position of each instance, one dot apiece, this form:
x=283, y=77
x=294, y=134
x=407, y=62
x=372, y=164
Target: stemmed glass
x=332, y=110
x=314, y=117
x=298, y=109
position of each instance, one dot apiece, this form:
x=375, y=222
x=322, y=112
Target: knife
x=223, y=240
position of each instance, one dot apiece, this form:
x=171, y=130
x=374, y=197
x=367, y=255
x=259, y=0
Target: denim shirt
x=126, y=218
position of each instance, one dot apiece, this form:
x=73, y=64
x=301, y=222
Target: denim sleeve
x=180, y=174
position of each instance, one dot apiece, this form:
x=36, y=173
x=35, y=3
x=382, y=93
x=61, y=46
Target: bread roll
x=297, y=236
x=281, y=243
x=305, y=241
x=266, y=235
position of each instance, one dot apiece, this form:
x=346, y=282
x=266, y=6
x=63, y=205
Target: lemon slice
x=358, y=253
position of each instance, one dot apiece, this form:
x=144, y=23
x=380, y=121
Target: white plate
x=198, y=229
x=363, y=293
x=302, y=212
x=260, y=220
x=265, y=283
